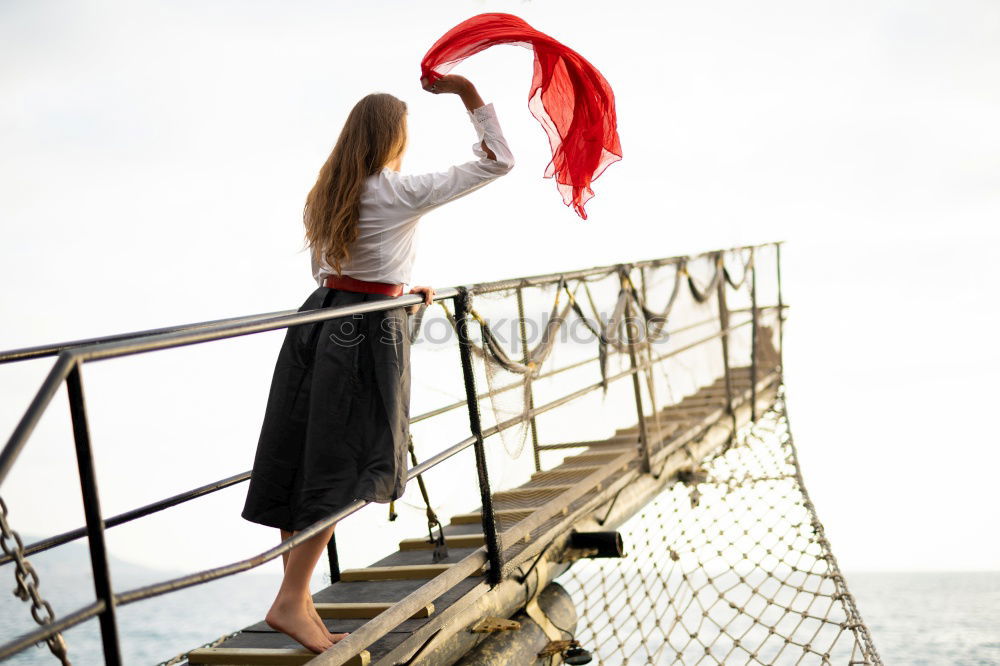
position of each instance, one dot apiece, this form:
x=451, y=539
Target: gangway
x=420, y=605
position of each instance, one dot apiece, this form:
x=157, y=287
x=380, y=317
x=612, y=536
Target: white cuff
x=481, y=118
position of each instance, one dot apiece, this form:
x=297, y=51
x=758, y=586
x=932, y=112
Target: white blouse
x=391, y=204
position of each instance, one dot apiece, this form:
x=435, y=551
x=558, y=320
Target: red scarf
x=568, y=96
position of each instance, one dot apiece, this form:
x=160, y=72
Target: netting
x=730, y=567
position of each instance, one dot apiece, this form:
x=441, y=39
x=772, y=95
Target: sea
x=916, y=619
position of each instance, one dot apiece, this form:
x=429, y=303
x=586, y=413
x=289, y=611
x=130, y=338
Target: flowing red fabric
x=568, y=96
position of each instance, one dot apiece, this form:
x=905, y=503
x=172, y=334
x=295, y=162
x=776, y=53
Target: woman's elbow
x=504, y=163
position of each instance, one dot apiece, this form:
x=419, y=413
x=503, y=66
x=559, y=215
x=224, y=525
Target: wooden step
x=613, y=444
x=667, y=427
x=710, y=391
x=477, y=518
x=618, y=439
x=562, y=472
x=222, y=656
x=696, y=406
x=615, y=441
x=680, y=414
x=571, y=475
x=521, y=493
x=348, y=611
x=589, y=458
x=450, y=540
x=702, y=401
x=678, y=417
x=398, y=572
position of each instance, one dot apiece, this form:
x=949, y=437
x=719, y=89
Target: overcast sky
x=155, y=157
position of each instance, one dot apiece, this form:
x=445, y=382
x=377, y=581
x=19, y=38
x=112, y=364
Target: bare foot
x=336, y=638
x=294, y=619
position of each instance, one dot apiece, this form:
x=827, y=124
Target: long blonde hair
x=373, y=135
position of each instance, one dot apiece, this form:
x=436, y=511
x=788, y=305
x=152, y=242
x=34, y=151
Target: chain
x=27, y=584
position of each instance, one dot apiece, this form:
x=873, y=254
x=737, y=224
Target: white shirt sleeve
x=315, y=267
x=423, y=192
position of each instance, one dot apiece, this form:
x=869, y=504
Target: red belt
x=347, y=283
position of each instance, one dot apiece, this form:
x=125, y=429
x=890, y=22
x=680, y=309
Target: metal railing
x=71, y=357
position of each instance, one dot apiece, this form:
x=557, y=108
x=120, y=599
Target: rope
x=702, y=294
x=747, y=266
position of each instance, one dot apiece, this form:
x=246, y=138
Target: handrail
x=572, y=366
x=25, y=641
x=188, y=580
x=40, y=351
x=127, y=516
x=200, y=491
x=215, y=573
x=70, y=358
x=72, y=355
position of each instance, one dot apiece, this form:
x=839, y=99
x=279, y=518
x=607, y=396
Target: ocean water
x=152, y=630
x=916, y=619
x=931, y=619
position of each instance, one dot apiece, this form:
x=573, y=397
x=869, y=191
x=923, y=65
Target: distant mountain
x=72, y=560
x=151, y=630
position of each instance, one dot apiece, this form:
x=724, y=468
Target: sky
x=156, y=156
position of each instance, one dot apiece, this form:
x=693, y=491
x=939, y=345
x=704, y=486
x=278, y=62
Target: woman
x=336, y=424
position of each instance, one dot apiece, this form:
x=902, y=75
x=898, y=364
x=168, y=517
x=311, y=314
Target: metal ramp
x=582, y=486
x=404, y=609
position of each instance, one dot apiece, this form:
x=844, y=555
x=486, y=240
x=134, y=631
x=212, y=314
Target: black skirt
x=337, y=419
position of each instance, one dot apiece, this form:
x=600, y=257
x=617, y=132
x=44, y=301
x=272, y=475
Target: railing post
x=626, y=285
x=753, y=336
x=333, y=558
x=650, y=382
x=92, y=512
x=531, y=392
x=781, y=314
x=493, y=549
x=724, y=325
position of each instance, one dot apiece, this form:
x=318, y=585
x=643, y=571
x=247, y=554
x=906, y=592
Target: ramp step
x=520, y=493
x=347, y=611
x=664, y=430
x=613, y=442
x=590, y=457
x=263, y=657
x=477, y=517
x=450, y=540
x=399, y=572
x=703, y=401
x=561, y=473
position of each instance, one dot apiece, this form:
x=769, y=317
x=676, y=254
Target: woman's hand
x=428, y=293
x=458, y=85
x=450, y=83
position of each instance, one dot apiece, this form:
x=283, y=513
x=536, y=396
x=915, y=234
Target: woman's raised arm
x=461, y=86
x=426, y=191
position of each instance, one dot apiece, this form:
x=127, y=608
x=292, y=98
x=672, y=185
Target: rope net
x=730, y=567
